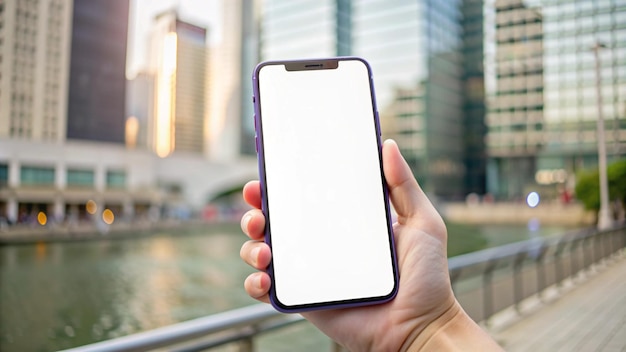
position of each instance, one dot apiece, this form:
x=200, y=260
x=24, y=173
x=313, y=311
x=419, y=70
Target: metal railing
x=491, y=280
x=485, y=282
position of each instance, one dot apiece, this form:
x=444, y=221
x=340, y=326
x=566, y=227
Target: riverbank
x=570, y=215
x=518, y=214
x=27, y=234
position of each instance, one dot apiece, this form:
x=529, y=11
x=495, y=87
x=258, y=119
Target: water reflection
x=60, y=295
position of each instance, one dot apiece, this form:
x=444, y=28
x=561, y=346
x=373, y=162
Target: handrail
x=512, y=249
x=191, y=329
x=247, y=322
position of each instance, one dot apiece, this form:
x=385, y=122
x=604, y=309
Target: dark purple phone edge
x=279, y=306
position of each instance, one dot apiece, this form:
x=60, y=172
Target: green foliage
x=588, y=189
x=616, y=173
x=588, y=185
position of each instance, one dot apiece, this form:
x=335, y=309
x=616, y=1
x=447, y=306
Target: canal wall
x=25, y=234
x=517, y=213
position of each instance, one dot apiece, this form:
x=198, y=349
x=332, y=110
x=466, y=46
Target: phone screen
x=323, y=187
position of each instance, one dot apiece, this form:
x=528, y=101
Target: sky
x=204, y=13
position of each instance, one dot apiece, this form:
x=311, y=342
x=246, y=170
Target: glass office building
x=416, y=52
x=544, y=106
x=97, y=78
x=474, y=127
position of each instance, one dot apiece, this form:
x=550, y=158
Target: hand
x=425, y=304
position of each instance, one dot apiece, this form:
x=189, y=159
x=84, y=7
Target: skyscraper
x=140, y=109
x=97, y=87
x=179, y=60
x=34, y=68
x=416, y=52
x=292, y=29
x=474, y=107
x=249, y=57
x=543, y=110
x=230, y=128
x=516, y=109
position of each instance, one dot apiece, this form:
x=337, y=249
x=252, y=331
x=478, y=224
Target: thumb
x=408, y=199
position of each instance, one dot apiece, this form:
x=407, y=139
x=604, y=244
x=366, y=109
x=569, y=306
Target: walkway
x=589, y=314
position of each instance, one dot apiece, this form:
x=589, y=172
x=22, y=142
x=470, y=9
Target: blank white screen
x=329, y=233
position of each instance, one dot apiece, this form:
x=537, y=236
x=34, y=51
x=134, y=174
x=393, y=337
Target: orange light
x=132, y=130
x=91, y=207
x=108, y=217
x=42, y=218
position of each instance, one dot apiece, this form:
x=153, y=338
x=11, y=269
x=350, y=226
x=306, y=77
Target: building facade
x=416, y=52
x=230, y=127
x=35, y=42
x=299, y=29
x=515, y=116
x=544, y=106
x=179, y=62
x=97, y=81
x=63, y=180
x=140, y=110
x=474, y=106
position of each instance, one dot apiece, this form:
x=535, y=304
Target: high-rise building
x=474, y=127
x=179, y=61
x=544, y=106
x=230, y=127
x=516, y=109
x=416, y=52
x=34, y=68
x=139, y=110
x=97, y=81
x=297, y=29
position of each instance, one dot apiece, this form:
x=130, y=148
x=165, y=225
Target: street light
x=604, y=217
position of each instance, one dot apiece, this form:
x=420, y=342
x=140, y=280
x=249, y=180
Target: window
x=4, y=175
x=36, y=176
x=116, y=179
x=80, y=178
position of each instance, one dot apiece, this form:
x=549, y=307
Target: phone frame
x=319, y=64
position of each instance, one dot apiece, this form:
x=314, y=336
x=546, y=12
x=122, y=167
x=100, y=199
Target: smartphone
x=323, y=191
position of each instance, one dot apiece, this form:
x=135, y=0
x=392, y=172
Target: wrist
x=453, y=330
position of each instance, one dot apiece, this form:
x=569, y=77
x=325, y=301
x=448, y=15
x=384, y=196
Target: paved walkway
x=589, y=314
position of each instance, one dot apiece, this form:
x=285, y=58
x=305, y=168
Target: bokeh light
x=532, y=199
x=91, y=207
x=108, y=217
x=42, y=219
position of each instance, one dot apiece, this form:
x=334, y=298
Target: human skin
x=424, y=315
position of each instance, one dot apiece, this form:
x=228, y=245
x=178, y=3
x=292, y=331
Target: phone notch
x=312, y=65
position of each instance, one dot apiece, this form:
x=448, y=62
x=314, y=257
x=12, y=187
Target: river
x=66, y=294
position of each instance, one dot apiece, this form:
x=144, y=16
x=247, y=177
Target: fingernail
x=258, y=281
x=244, y=221
x=255, y=254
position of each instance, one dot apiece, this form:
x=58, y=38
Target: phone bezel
x=319, y=64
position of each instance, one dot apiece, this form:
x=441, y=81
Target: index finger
x=252, y=193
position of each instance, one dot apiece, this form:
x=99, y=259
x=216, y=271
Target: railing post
x=597, y=249
x=541, y=270
x=488, y=290
x=454, y=275
x=586, y=242
x=518, y=285
x=558, y=255
x=335, y=347
x=573, y=258
x=246, y=345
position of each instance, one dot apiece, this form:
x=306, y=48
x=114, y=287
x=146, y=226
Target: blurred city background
x=127, y=118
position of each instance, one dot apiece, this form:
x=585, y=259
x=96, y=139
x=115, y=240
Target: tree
x=588, y=185
x=616, y=173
